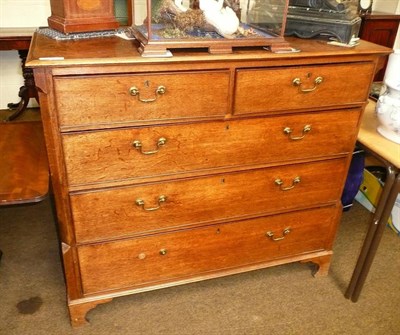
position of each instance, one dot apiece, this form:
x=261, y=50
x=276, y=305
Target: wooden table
x=20, y=39
x=388, y=153
x=24, y=172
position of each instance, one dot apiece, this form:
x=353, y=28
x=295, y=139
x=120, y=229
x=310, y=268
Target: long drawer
x=170, y=205
x=113, y=155
x=166, y=257
x=293, y=88
x=134, y=98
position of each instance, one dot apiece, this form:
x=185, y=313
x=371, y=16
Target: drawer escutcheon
x=163, y=252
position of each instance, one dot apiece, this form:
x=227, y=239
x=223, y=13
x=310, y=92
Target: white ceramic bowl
x=388, y=105
x=388, y=113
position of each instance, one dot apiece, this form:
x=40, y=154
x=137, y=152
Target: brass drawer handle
x=288, y=131
x=297, y=82
x=270, y=234
x=279, y=182
x=134, y=91
x=138, y=146
x=161, y=199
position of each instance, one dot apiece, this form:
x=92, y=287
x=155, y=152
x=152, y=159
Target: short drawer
x=296, y=88
x=167, y=257
x=171, y=205
x=131, y=98
x=114, y=155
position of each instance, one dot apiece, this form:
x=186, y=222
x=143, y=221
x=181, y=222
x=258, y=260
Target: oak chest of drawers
x=170, y=171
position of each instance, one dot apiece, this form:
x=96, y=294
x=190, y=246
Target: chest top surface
x=47, y=52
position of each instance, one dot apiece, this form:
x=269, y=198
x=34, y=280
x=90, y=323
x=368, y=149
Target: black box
x=312, y=18
x=308, y=27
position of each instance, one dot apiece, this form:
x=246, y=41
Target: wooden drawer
x=162, y=258
x=106, y=99
x=271, y=90
x=105, y=156
x=115, y=212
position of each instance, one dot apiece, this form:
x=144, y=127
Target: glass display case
x=218, y=25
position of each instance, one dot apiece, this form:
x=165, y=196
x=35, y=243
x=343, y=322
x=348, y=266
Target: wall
x=18, y=13
x=386, y=6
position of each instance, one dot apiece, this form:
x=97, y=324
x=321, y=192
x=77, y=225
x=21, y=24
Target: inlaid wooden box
x=74, y=16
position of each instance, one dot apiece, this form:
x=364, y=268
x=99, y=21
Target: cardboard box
x=369, y=194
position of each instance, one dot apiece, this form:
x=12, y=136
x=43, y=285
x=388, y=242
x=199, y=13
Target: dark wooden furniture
x=74, y=16
x=389, y=154
x=24, y=171
x=19, y=39
x=171, y=171
x=380, y=28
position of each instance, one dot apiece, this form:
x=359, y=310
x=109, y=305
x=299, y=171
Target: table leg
x=26, y=92
x=377, y=238
x=374, y=234
x=390, y=178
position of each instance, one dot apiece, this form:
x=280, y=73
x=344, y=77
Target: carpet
x=280, y=300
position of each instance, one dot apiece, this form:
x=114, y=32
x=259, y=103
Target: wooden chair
x=24, y=172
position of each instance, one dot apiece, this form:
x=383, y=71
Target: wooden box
x=75, y=16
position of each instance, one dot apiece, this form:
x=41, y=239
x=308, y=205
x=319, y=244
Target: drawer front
x=108, y=99
x=104, y=156
x=167, y=257
x=271, y=90
x=171, y=205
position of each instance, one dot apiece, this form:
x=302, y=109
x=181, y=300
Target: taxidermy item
x=168, y=8
x=190, y=20
x=212, y=15
x=235, y=5
x=183, y=20
x=223, y=19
